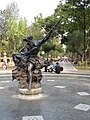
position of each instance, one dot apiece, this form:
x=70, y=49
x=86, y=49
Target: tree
x=76, y=17
x=11, y=10
x=75, y=44
x=7, y=16
x=22, y=31
x=53, y=47
x=12, y=28
x=72, y=1
x=45, y=25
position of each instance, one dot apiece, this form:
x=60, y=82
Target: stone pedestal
x=20, y=75
x=33, y=91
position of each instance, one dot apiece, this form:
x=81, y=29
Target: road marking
x=5, y=75
x=4, y=81
x=50, y=80
x=67, y=74
x=82, y=107
x=60, y=86
x=83, y=93
x=1, y=88
x=32, y=118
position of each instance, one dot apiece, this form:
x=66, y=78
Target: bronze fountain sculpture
x=28, y=65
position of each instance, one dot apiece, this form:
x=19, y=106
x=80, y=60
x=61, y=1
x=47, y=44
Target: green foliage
x=76, y=20
x=36, y=31
x=88, y=62
x=48, y=47
x=13, y=28
x=53, y=47
x=8, y=25
x=75, y=41
x=11, y=10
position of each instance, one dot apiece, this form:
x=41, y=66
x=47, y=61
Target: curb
x=5, y=71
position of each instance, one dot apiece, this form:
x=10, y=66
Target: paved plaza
x=64, y=96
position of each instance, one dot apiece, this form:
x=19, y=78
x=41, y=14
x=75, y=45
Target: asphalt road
x=64, y=97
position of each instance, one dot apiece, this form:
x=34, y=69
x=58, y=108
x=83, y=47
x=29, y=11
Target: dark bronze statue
x=28, y=64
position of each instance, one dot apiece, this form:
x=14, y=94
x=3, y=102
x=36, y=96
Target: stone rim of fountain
x=33, y=91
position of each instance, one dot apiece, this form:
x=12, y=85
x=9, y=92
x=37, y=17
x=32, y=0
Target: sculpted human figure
x=28, y=65
x=27, y=57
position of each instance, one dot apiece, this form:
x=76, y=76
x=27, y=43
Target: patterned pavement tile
x=83, y=107
x=32, y=118
x=60, y=86
x=83, y=93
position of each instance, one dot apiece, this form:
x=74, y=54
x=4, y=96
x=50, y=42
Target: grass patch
x=82, y=66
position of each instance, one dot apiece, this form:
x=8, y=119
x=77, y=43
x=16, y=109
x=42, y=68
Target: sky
x=32, y=8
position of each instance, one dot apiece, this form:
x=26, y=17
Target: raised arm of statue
x=48, y=34
x=45, y=38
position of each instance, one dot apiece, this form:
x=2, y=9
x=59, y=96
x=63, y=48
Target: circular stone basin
x=30, y=92
x=30, y=97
